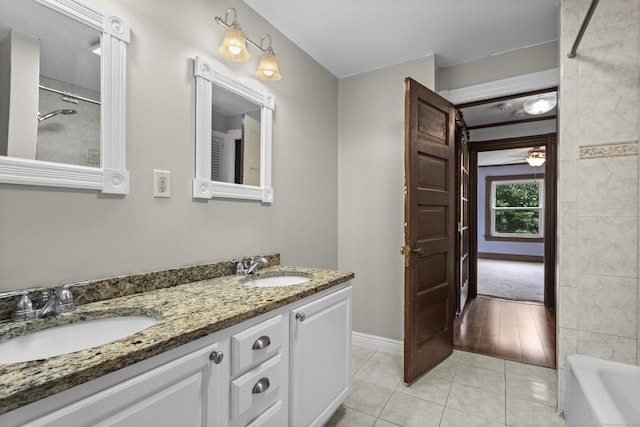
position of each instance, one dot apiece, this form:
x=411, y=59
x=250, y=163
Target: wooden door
x=430, y=231
x=251, y=151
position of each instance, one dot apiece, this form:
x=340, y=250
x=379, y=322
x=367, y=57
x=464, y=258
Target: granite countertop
x=185, y=312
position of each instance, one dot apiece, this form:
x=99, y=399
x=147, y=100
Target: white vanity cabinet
x=187, y=391
x=320, y=365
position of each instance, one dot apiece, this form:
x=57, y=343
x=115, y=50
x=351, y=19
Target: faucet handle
x=65, y=296
x=23, y=310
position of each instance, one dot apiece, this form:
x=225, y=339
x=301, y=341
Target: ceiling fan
x=534, y=157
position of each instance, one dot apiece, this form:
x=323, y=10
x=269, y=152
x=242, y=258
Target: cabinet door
x=320, y=358
x=190, y=390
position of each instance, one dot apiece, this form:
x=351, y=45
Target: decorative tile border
x=615, y=149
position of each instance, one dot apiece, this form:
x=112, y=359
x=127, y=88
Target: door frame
x=549, y=141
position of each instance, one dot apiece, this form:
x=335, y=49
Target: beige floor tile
x=532, y=389
x=380, y=373
x=524, y=413
x=367, y=397
x=483, y=378
x=530, y=371
x=455, y=418
x=361, y=352
x=383, y=423
x=482, y=361
x=476, y=401
x=445, y=369
x=408, y=411
x=356, y=363
x=347, y=417
x=387, y=358
x=429, y=388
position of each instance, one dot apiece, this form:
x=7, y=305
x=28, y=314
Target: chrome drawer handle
x=261, y=386
x=262, y=342
x=301, y=316
x=216, y=357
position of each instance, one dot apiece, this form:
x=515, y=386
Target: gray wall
x=52, y=236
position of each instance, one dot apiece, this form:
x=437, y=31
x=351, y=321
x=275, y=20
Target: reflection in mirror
x=233, y=138
x=54, y=57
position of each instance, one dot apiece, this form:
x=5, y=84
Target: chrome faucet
x=54, y=302
x=244, y=267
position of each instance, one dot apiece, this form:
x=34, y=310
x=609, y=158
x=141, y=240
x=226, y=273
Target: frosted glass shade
x=540, y=104
x=234, y=46
x=268, y=68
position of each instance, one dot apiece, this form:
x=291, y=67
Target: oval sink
x=71, y=337
x=273, y=281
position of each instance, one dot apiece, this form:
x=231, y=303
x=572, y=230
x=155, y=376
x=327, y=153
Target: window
x=515, y=208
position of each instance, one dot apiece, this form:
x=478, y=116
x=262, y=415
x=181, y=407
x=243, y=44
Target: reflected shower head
x=54, y=113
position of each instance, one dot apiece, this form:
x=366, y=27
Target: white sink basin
x=71, y=337
x=273, y=281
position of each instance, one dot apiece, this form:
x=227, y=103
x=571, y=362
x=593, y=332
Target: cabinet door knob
x=261, y=386
x=216, y=357
x=301, y=316
x=262, y=342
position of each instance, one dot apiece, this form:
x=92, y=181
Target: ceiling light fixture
x=540, y=104
x=234, y=48
x=536, y=158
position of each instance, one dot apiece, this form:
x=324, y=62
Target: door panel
x=462, y=250
x=429, y=229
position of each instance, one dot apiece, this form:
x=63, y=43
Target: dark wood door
x=430, y=230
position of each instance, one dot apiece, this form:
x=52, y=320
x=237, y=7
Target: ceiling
x=354, y=36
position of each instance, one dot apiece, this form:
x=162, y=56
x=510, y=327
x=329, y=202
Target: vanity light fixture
x=540, y=104
x=234, y=48
x=536, y=158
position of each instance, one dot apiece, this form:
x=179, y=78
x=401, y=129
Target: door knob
x=418, y=251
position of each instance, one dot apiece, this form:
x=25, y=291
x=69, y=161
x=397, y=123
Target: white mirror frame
x=111, y=177
x=203, y=186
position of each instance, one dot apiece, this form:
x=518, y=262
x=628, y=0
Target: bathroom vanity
x=221, y=354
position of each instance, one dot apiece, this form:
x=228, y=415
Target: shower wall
x=598, y=241
x=73, y=138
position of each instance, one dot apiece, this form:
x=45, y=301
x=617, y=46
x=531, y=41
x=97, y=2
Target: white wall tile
x=568, y=184
x=608, y=347
x=608, y=305
x=608, y=186
x=568, y=265
x=568, y=308
x=568, y=227
x=567, y=344
x=608, y=246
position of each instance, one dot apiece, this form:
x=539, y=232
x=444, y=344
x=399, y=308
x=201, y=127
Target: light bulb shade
x=234, y=46
x=268, y=68
x=540, y=104
x=535, y=161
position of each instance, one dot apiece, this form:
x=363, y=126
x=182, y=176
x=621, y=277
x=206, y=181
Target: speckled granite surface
x=186, y=312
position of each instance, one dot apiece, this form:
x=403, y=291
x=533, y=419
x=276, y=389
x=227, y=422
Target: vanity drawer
x=254, y=391
x=272, y=417
x=256, y=344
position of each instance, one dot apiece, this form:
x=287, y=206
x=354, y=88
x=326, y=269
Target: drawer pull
x=262, y=342
x=261, y=386
x=301, y=316
x=216, y=357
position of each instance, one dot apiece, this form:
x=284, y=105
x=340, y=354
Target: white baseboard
x=377, y=343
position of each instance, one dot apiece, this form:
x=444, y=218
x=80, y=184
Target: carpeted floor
x=520, y=281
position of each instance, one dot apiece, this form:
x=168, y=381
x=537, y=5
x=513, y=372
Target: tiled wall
x=598, y=308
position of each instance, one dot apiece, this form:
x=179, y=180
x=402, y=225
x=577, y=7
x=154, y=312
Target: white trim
x=377, y=343
x=203, y=187
x=503, y=87
x=112, y=176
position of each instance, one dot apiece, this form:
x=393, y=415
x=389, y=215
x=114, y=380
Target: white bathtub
x=600, y=393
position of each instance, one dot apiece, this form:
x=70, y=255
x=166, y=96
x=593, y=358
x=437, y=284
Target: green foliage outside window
x=517, y=220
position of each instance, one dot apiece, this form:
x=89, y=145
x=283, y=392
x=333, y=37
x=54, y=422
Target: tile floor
x=467, y=389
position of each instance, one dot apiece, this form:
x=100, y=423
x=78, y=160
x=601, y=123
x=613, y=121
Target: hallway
x=518, y=331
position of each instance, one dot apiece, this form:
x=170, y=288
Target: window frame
x=491, y=181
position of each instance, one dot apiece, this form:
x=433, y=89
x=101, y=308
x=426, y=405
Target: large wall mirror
x=233, y=138
x=62, y=95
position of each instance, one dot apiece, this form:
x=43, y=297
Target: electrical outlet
x=161, y=183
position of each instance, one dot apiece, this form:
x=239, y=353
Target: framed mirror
x=62, y=95
x=233, y=138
